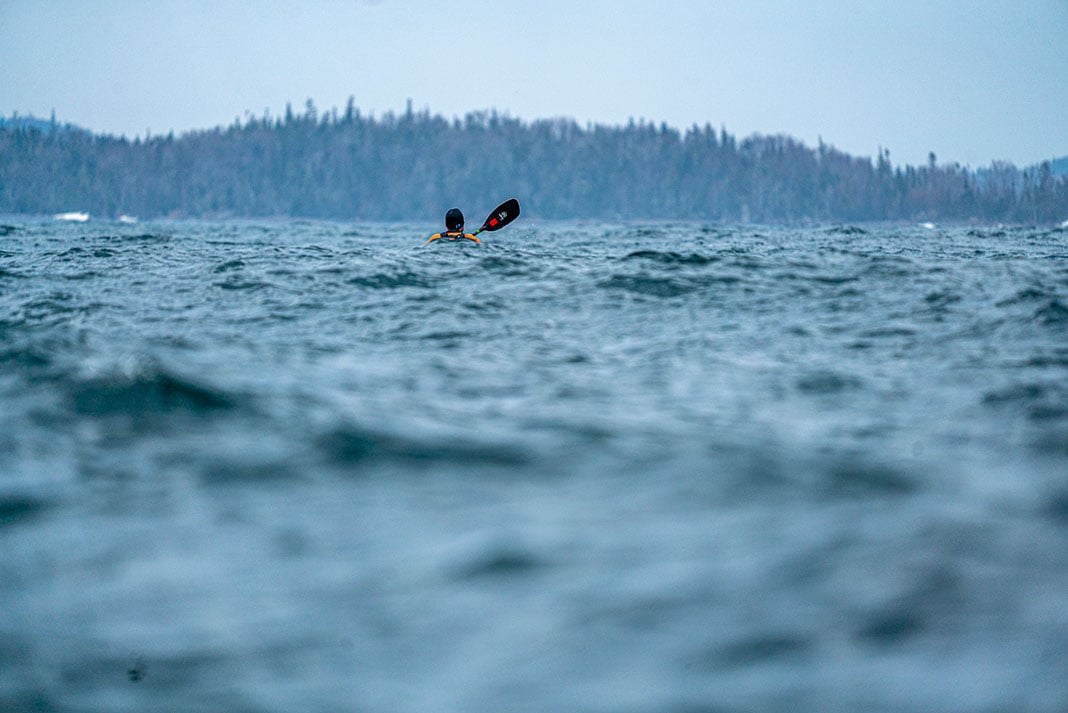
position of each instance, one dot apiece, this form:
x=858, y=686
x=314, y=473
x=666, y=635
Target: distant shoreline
x=416, y=165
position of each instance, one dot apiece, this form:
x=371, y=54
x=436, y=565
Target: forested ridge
x=347, y=165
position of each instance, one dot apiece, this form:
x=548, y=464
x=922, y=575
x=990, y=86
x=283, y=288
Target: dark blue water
x=296, y=466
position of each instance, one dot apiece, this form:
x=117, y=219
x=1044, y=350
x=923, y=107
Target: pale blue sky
x=972, y=80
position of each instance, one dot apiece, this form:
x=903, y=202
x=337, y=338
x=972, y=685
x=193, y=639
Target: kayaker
x=454, y=228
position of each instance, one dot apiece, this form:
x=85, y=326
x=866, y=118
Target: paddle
x=501, y=216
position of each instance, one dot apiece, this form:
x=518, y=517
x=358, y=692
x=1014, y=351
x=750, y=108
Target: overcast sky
x=972, y=80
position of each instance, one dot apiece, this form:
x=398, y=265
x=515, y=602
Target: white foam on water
x=73, y=217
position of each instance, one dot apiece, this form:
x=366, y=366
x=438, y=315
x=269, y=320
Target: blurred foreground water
x=300, y=466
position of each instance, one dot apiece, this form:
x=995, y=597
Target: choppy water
x=299, y=466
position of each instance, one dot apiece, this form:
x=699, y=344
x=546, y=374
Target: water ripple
x=594, y=466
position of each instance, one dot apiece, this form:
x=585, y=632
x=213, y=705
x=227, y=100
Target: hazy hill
x=415, y=165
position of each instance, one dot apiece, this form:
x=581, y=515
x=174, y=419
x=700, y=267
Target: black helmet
x=454, y=219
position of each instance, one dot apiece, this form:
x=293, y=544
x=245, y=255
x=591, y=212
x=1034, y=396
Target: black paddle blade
x=502, y=215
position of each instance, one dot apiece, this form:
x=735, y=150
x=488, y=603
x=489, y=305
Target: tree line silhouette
x=414, y=165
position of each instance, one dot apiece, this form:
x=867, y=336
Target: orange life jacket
x=452, y=236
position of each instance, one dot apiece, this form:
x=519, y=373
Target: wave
x=863, y=479
x=991, y=233
x=497, y=561
x=891, y=266
x=358, y=445
x=391, y=281
x=888, y=331
x=229, y=265
x=754, y=650
x=1039, y=401
x=1027, y=294
x=16, y=508
x=929, y=595
x=827, y=382
x=237, y=282
x=72, y=252
x=650, y=286
x=84, y=275
x=142, y=237
x=1056, y=507
x=79, y=253
x=1054, y=313
x=247, y=469
x=1056, y=359
x=155, y=391
x=446, y=336
x=845, y=230
x=941, y=299
x=508, y=266
x=39, y=358
x=671, y=257
x=832, y=279
x=54, y=304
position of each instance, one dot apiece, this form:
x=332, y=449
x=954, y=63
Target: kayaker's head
x=454, y=220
